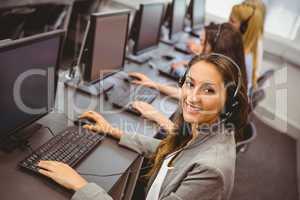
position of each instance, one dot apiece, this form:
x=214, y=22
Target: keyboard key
x=69, y=147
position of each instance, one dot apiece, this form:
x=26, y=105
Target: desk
x=108, y=158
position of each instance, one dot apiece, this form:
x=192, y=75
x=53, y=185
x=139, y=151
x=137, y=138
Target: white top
x=153, y=193
x=260, y=54
x=249, y=69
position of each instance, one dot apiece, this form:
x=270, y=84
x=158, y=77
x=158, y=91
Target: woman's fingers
x=144, y=108
x=135, y=74
x=88, y=115
x=137, y=82
x=46, y=173
x=91, y=128
x=48, y=165
x=137, y=105
x=88, y=126
x=92, y=115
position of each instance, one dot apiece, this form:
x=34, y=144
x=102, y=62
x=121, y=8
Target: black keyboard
x=145, y=94
x=123, y=98
x=167, y=71
x=182, y=47
x=69, y=147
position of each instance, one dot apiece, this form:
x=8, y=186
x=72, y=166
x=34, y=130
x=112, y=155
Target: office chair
x=264, y=77
x=250, y=134
x=258, y=94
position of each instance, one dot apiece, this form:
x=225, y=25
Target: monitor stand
x=19, y=139
x=139, y=59
x=93, y=88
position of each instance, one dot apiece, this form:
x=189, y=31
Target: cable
x=114, y=174
x=28, y=146
x=50, y=131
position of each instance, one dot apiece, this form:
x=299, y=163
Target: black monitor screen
x=149, y=26
x=108, y=45
x=178, y=15
x=198, y=13
x=27, y=81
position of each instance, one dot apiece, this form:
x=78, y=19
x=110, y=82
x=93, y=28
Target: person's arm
x=260, y=52
x=150, y=113
x=143, y=145
x=201, y=183
x=174, y=92
x=91, y=191
x=64, y=175
x=142, y=79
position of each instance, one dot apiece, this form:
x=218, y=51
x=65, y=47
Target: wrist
x=164, y=122
x=153, y=85
x=79, y=185
x=116, y=133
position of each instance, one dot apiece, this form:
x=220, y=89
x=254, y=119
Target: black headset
x=217, y=36
x=244, y=24
x=233, y=103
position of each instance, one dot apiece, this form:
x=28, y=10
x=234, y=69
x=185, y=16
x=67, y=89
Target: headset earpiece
x=231, y=104
x=182, y=79
x=243, y=27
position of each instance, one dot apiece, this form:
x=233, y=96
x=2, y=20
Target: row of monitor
x=109, y=43
x=27, y=87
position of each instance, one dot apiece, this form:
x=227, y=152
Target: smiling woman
x=197, y=159
x=203, y=94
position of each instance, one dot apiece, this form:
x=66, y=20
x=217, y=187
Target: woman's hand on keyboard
x=149, y=112
x=100, y=125
x=63, y=174
x=142, y=79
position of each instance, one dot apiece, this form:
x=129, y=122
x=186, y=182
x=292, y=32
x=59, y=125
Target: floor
x=267, y=170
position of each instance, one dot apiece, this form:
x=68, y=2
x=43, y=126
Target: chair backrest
x=249, y=133
x=256, y=97
x=264, y=77
x=258, y=94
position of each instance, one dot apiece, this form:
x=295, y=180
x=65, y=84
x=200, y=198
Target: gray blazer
x=204, y=170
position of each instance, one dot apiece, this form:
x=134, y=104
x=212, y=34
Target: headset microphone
x=233, y=104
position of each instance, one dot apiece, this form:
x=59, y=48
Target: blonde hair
x=259, y=4
x=254, y=15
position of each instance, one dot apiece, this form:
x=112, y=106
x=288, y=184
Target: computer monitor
x=177, y=17
x=146, y=27
x=174, y=21
x=106, y=44
x=197, y=14
x=28, y=80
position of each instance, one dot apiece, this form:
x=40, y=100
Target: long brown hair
x=226, y=40
x=178, y=139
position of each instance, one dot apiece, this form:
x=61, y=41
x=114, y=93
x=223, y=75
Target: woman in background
x=248, y=18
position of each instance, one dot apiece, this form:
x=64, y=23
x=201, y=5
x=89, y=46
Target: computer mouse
x=168, y=57
x=130, y=78
x=84, y=121
x=127, y=79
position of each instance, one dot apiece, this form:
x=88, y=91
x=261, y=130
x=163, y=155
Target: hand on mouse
x=63, y=174
x=149, y=112
x=142, y=79
x=101, y=125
